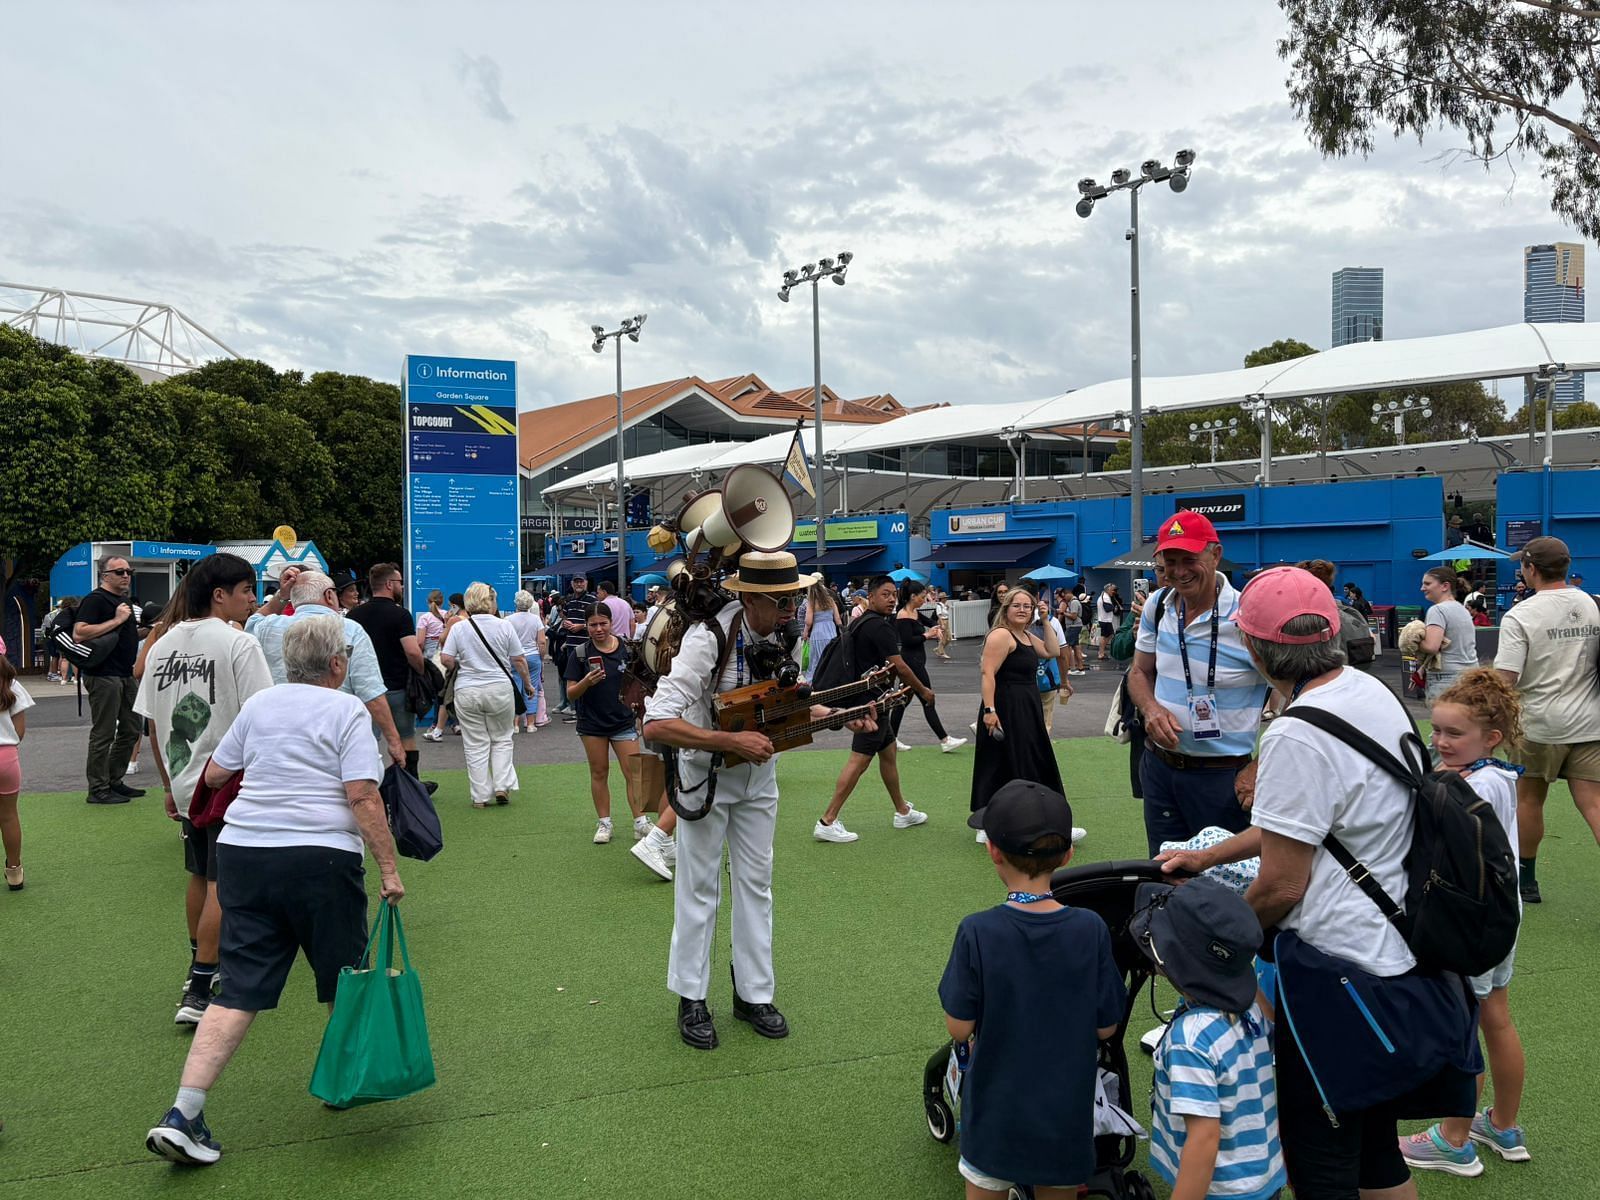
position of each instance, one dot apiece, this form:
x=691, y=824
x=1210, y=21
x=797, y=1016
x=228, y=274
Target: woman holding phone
x=605, y=723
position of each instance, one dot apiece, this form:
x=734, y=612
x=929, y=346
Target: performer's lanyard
x=1203, y=720
x=738, y=659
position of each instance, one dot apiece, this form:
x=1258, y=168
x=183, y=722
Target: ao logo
x=424, y=370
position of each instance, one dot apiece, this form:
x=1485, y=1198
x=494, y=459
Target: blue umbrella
x=904, y=574
x=1050, y=573
x=653, y=579
x=1468, y=550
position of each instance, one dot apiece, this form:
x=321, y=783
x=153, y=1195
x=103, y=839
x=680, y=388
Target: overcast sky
x=332, y=186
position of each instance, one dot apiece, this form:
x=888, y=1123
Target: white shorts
x=988, y=1182
x=1498, y=976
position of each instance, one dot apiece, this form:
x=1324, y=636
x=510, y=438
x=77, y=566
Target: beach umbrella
x=1051, y=574
x=653, y=579
x=905, y=573
x=1466, y=551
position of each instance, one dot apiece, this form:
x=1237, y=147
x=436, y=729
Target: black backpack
x=1461, y=905
x=1355, y=636
x=424, y=687
x=839, y=663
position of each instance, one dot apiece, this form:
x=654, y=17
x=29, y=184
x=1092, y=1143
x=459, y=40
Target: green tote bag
x=376, y=1044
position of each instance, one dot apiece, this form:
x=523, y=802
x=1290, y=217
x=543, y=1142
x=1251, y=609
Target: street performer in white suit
x=744, y=811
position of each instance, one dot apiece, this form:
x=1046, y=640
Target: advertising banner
x=461, y=485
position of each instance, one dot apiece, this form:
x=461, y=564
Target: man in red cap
x=1197, y=689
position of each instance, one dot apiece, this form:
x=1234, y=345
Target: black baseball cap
x=1204, y=937
x=1022, y=812
x=344, y=579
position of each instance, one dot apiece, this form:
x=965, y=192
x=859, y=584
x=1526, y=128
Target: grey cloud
x=482, y=78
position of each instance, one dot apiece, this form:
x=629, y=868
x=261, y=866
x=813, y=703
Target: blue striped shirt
x=1240, y=691
x=1211, y=1064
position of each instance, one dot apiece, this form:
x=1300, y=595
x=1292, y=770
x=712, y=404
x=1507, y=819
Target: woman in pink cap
x=1338, y=1108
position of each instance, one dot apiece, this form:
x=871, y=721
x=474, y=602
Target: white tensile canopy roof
x=1510, y=351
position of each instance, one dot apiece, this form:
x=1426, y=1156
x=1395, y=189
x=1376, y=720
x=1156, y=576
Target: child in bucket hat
x=1214, y=1103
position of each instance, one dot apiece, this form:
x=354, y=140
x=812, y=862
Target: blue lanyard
x=738, y=659
x=1028, y=897
x=1183, y=646
x=1493, y=762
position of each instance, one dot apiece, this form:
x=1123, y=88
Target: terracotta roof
x=550, y=435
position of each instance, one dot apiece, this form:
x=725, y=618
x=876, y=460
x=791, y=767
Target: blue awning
x=992, y=553
x=603, y=564
x=836, y=556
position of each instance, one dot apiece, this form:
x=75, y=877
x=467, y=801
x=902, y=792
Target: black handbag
x=518, y=704
x=412, y=818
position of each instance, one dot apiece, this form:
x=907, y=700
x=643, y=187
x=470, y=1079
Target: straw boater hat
x=768, y=571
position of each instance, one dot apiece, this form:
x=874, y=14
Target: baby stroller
x=1109, y=889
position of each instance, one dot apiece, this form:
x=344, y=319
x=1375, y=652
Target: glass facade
x=1357, y=305
x=1552, y=290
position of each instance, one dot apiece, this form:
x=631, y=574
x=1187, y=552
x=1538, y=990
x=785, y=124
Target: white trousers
x=484, y=714
x=744, y=818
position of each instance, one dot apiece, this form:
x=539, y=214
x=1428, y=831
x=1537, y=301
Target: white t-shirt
x=1309, y=784
x=478, y=667
x=298, y=745
x=20, y=703
x=1498, y=785
x=1551, y=641
x=1105, y=609
x=196, y=678
x=527, y=626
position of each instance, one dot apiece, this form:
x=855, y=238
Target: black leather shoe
x=694, y=1024
x=765, y=1019
x=122, y=789
x=105, y=798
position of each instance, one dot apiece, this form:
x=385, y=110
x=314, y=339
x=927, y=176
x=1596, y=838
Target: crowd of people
x=269, y=725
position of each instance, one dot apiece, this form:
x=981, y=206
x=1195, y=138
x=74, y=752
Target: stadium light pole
x=815, y=273
x=628, y=329
x=1398, y=410
x=1211, y=429
x=1177, y=178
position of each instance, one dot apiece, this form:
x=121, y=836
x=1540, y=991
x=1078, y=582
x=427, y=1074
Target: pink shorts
x=10, y=771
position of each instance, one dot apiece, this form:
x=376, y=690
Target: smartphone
x=596, y=663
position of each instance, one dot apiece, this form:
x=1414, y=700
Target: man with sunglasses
x=114, y=727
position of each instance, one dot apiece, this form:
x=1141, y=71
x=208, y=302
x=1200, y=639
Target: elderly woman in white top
x=290, y=865
x=484, y=650
x=1312, y=784
x=529, y=627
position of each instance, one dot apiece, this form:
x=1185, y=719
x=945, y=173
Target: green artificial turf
x=543, y=963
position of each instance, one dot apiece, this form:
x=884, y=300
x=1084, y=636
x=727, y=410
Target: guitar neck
x=844, y=715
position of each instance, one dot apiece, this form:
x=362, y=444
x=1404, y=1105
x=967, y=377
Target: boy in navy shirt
x=1034, y=984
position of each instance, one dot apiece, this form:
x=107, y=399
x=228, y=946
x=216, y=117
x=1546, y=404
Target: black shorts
x=1107, y=629
x=200, y=849
x=872, y=744
x=277, y=900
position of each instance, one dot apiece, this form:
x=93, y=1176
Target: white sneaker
x=835, y=832
x=952, y=743
x=911, y=816
x=669, y=850
x=602, y=833
x=973, y=727
x=983, y=838
x=901, y=745
x=650, y=855
x=1078, y=834
x=641, y=827
x=133, y=768
x=433, y=735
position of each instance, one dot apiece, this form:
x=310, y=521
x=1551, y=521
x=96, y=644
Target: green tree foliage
x=228, y=451
x=1582, y=415
x=1511, y=76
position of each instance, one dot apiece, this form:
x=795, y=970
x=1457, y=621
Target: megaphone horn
x=755, y=512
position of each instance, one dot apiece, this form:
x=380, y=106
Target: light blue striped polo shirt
x=1240, y=690
x=1210, y=1064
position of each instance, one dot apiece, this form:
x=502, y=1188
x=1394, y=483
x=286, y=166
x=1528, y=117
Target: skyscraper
x=1357, y=305
x=1552, y=290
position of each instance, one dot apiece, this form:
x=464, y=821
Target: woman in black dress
x=915, y=634
x=1012, y=741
